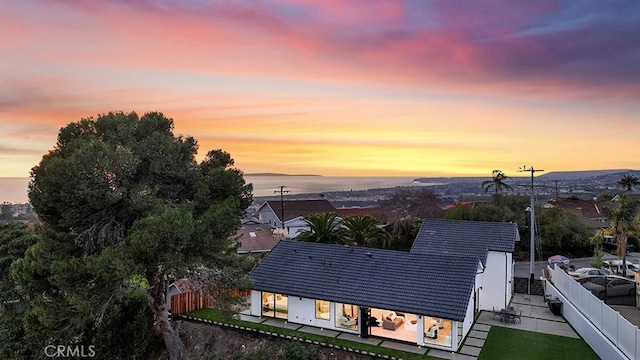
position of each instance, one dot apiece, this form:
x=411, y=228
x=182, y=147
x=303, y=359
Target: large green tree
x=403, y=232
x=125, y=204
x=558, y=230
x=411, y=202
x=562, y=233
x=497, y=183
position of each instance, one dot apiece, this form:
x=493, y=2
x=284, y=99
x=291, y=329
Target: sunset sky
x=359, y=87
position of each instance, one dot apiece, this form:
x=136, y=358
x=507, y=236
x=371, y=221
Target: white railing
x=618, y=330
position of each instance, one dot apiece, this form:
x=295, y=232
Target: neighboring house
x=254, y=237
x=294, y=211
x=586, y=209
x=590, y=211
x=427, y=296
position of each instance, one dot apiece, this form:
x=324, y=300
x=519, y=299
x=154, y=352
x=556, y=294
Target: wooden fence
x=190, y=301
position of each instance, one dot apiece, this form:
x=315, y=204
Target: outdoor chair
x=519, y=317
x=496, y=313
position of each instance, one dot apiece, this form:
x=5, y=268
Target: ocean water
x=14, y=190
x=269, y=185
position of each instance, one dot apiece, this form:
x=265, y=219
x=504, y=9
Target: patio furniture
x=432, y=333
x=507, y=314
x=496, y=313
x=349, y=322
x=411, y=325
x=519, y=317
x=392, y=321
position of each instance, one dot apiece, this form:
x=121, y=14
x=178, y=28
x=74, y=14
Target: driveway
x=522, y=267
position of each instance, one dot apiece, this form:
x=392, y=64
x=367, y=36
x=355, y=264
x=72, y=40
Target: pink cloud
x=462, y=48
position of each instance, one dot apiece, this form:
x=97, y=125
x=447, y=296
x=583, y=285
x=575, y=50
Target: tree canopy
x=623, y=220
x=323, y=228
x=15, y=238
x=364, y=231
x=497, y=182
x=420, y=203
x=628, y=182
x=125, y=205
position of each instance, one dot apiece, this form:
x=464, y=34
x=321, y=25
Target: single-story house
x=427, y=296
x=253, y=237
x=292, y=213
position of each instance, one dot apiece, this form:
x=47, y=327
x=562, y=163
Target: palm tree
x=623, y=221
x=497, y=182
x=323, y=228
x=628, y=182
x=363, y=230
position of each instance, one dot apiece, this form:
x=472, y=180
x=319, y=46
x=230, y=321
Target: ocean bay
x=14, y=189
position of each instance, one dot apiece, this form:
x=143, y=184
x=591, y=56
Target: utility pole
x=532, y=257
x=282, y=191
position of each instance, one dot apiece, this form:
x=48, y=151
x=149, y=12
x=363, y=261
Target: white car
x=588, y=272
x=615, y=267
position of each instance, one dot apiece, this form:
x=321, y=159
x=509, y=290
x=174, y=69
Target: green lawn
x=506, y=343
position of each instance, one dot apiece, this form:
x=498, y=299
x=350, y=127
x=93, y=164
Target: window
x=347, y=316
x=275, y=305
x=437, y=331
x=322, y=310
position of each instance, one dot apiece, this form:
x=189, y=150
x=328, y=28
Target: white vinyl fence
x=618, y=331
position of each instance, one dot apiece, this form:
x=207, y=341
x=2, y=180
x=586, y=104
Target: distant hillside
x=586, y=174
x=278, y=174
x=550, y=176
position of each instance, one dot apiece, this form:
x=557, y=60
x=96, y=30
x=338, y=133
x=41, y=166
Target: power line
x=282, y=191
x=532, y=256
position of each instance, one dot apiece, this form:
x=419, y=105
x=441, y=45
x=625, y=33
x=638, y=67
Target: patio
x=536, y=317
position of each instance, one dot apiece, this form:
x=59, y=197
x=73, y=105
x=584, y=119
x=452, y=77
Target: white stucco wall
x=496, y=281
x=256, y=303
x=294, y=226
x=301, y=310
x=466, y=325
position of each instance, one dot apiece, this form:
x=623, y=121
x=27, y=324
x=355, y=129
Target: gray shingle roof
x=472, y=238
x=425, y=284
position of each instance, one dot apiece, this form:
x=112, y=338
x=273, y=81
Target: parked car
x=609, y=286
x=588, y=272
x=615, y=268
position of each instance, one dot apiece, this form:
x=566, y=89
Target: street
x=522, y=267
